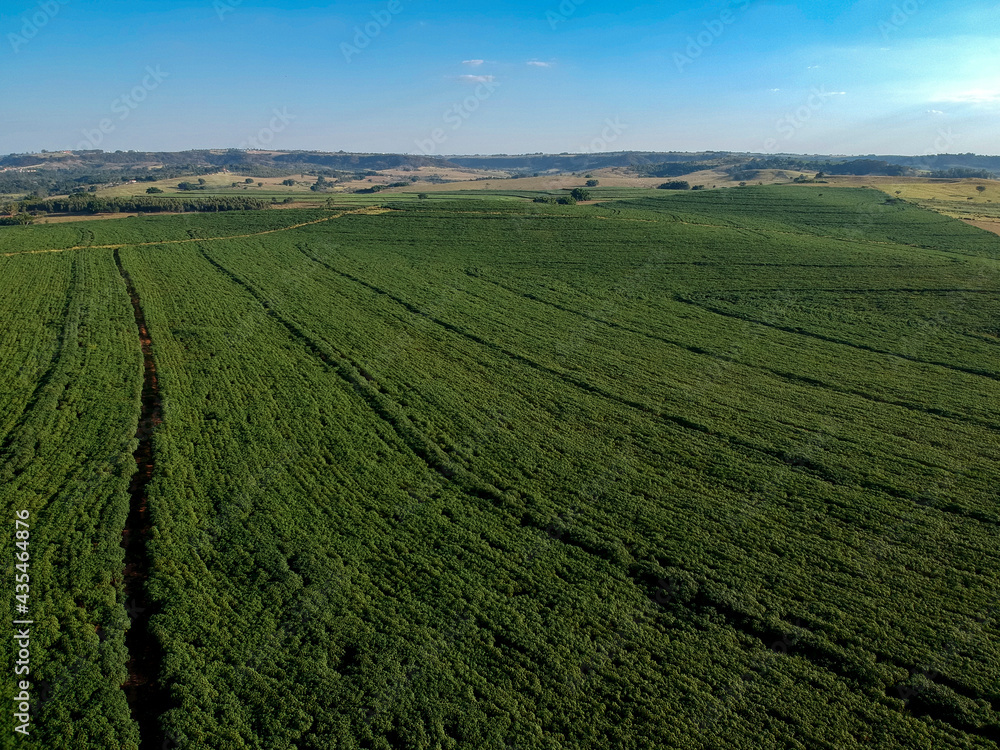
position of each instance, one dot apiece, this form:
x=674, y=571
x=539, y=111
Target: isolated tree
x=201, y=180
x=153, y=190
x=579, y=194
x=423, y=196
x=981, y=188
x=248, y=180
x=289, y=183
x=593, y=183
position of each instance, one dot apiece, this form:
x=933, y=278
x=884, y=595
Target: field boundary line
x=367, y=210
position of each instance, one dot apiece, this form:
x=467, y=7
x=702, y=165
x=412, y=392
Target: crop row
x=68, y=462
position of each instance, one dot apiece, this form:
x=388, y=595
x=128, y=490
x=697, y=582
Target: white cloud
x=539, y=64
x=774, y=91
x=812, y=67
x=935, y=112
x=473, y=63
x=972, y=96
x=476, y=79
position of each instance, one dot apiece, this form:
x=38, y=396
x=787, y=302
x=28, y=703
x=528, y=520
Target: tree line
x=94, y=205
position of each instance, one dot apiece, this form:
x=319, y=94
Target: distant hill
x=236, y=158
x=64, y=172
x=946, y=161
x=564, y=162
x=581, y=162
x=229, y=158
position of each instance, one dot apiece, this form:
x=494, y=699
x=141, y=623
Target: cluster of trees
x=200, y=185
x=851, y=167
x=963, y=173
x=92, y=205
x=18, y=219
x=576, y=195
x=380, y=188
x=45, y=182
x=561, y=200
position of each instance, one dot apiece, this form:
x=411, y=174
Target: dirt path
x=987, y=224
x=147, y=698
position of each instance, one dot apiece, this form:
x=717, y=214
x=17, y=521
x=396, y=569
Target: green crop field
x=692, y=470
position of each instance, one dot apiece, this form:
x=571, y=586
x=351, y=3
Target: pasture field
x=222, y=183
x=696, y=470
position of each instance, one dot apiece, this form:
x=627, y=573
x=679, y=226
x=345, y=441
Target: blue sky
x=507, y=76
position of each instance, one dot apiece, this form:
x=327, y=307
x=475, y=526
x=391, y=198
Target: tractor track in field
x=362, y=382
x=147, y=697
x=787, y=376
x=50, y=369
x=807, y=466
x=823, y=656
x=831, y=340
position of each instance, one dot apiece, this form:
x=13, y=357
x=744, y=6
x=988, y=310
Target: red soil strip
x=147, y=698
